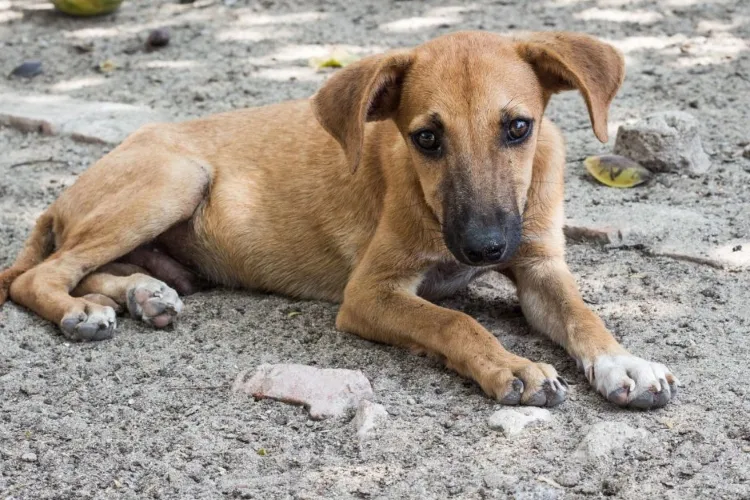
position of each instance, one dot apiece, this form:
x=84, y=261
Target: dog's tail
x=38, y=247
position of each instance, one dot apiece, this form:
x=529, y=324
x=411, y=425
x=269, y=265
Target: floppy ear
x=367, y=90
x=567, y=61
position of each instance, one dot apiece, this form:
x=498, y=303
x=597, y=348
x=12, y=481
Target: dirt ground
x=149, y=413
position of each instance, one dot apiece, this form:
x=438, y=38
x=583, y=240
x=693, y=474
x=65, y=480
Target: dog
x=407, y=175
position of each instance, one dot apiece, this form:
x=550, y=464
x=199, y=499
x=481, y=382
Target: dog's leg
x=128, y=286
x=101, y=224
x=383, y=309
x=552, y=304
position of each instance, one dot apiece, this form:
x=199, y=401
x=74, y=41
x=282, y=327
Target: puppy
x=406, y=176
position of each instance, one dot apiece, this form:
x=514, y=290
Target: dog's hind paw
x=94, y=323
x=632, y=382
x=152, y=301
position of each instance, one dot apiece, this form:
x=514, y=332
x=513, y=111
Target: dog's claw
x=96, y=325
x=633, y=382
x=553, y=393
x=513, y=397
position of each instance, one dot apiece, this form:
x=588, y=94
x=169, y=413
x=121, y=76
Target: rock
x=512, y=421
x=27, y=69
x=369, y=416
x=664, y=142
x=325, y=392
x=29, y=457
x=86, y=121
x=582, y=232
x=604, y=438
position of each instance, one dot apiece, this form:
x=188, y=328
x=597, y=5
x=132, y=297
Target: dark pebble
x=157, y=38
x=29, y=69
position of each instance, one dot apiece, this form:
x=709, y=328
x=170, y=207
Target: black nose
x=485, y=249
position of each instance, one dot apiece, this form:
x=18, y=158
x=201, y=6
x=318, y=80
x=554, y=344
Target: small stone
x=325, y=392
x=664, y=142
x=512, y=422
x=29, y=457
x=369, y=417
x=157, y=39
x=28, y=69
x=592, y=233
x=604, y=438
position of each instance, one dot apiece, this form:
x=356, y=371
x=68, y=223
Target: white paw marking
x=628, y=380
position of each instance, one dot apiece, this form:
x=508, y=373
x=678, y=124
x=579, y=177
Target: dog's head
x=469, y=107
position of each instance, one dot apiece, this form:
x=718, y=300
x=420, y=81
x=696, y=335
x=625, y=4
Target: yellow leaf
x=293, y=314
x=107, y=66
x=336, y=59
x=616, y=171
x=262, y=452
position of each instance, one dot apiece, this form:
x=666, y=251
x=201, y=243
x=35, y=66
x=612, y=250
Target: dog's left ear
x=567, y=61
x=367, y=90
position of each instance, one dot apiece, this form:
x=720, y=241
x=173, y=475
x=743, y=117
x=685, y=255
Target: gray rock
x=29, y=457
x=85, y=121
x=604, y=438
x=369, y=417
x=512, y=421
x=325, y=392
x=664, y=142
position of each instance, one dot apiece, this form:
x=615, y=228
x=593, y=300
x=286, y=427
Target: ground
x=149, y=413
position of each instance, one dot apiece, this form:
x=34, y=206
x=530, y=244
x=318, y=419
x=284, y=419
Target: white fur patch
x=610, y=373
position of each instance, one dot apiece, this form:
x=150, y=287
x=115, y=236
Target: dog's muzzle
x=484, y=241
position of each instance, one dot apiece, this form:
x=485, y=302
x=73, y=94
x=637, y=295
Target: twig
x=34, y=162
x=196, y=388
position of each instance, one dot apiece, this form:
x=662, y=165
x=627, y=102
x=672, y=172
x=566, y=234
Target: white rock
x=29, y=457
x=604, y=438
x=369, y=416
x=325, y=392
x=664, y=142
x=86, y=121
x=512, y=421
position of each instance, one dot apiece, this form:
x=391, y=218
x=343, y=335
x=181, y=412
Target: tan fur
x=265, y=198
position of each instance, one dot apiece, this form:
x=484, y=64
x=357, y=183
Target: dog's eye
x=518, y=130
x=427, y=141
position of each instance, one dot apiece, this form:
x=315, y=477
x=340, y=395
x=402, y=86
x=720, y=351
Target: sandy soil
x=149, y=414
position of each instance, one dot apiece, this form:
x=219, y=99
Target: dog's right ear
x=367, y=90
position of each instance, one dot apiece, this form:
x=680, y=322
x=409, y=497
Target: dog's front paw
x=630, y=381
x=531, y=384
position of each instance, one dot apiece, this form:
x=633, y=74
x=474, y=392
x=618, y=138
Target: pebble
x=512, y=421
x=28, y=69
x=368, y=418
x=325, y=392
x=157, y=39
x=29, y=457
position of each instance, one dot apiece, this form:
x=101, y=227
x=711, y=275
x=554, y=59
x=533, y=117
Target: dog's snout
x=484, y=241
x=487, y=248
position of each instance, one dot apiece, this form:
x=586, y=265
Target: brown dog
x=460, y=174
